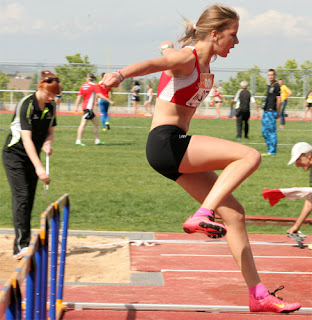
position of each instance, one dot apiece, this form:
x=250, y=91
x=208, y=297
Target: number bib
x=204, y=87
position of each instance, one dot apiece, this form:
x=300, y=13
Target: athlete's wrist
x=122, y=78
x=165, y=46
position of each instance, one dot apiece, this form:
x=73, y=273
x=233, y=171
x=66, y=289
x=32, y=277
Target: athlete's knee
x=254, y=158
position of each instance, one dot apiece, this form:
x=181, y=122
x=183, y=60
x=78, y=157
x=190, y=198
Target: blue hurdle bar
x=61, y=307
x=34, y=268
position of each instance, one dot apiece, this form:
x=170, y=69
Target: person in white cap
x=301, y=154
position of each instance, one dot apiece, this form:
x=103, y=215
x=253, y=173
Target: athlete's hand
x=112, y=79
x=165, y=43
x=293, y=229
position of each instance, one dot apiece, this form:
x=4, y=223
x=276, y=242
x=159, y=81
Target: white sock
x=97, y=141
x=78, y=141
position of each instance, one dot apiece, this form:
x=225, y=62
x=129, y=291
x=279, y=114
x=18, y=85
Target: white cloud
x=14, y=19
x=273, y=24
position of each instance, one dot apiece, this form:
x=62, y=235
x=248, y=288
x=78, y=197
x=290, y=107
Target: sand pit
x=100, y=264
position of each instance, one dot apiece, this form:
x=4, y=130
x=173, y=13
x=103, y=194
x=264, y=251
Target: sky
x=122, y=32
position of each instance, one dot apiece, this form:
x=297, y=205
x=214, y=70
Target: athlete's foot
x=98, y=143
x=272, y=303
x=267, y=154
x=80, y=144
x=107, y=125
x=205, y=225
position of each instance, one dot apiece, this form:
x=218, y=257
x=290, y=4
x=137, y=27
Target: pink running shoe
x=272, y=303
x=206, y=225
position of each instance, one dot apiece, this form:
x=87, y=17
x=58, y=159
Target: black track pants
x=23, y=181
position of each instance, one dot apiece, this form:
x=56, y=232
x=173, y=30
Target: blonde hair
x=216, y=17
x=53, y=87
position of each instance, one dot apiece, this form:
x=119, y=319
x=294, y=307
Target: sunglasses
x=50, y=80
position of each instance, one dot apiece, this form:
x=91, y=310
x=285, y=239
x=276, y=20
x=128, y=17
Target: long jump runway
x=192, y=277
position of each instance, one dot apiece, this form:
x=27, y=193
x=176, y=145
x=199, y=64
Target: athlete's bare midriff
x=168, y=113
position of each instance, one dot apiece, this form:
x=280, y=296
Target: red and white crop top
x=189, y=91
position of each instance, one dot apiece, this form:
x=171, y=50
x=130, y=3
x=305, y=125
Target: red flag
x=274, y=195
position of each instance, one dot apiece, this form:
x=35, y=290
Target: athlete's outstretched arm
x=177, y=60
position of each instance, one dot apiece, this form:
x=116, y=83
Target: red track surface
x=186, y=280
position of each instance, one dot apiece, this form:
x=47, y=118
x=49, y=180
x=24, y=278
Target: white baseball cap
x=298, y=149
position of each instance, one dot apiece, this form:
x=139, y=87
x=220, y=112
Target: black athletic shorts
x=88, y=114
x=165, y=148
x=135, y=98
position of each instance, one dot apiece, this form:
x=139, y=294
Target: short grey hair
x=244, y=84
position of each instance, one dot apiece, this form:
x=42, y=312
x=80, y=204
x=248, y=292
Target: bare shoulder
x=184, y=62
x=187, y=54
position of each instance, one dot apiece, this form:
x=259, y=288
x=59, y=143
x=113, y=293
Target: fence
x=34, y=268
x=295, y=110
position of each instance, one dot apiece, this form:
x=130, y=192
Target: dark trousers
x=282, y=114
x=242, y=118
x=23, y=181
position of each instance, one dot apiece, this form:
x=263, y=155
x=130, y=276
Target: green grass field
x=113, y=188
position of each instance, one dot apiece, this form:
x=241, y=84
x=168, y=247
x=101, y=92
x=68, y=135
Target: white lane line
x=232, y=271
x=230, y=256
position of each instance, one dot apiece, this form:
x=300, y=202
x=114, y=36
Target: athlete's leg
x=81, y=128
x=199, y=185
x=136, y=107
x=95, y=127
x=146, y=106
x=309, y=109
x=102, y=109
x=106, y=106
x=232, y=213
x=208, y=154
x=150, y=107
x=218, y=104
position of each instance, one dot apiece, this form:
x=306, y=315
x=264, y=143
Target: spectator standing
x=285, y=94
x=243, y=98
x=218, y=99
x=270, y=114
x=135, y=97
x=308, y=105
x=148, y=102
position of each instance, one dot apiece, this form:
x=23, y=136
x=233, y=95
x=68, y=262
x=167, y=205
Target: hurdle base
x=79, y=306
